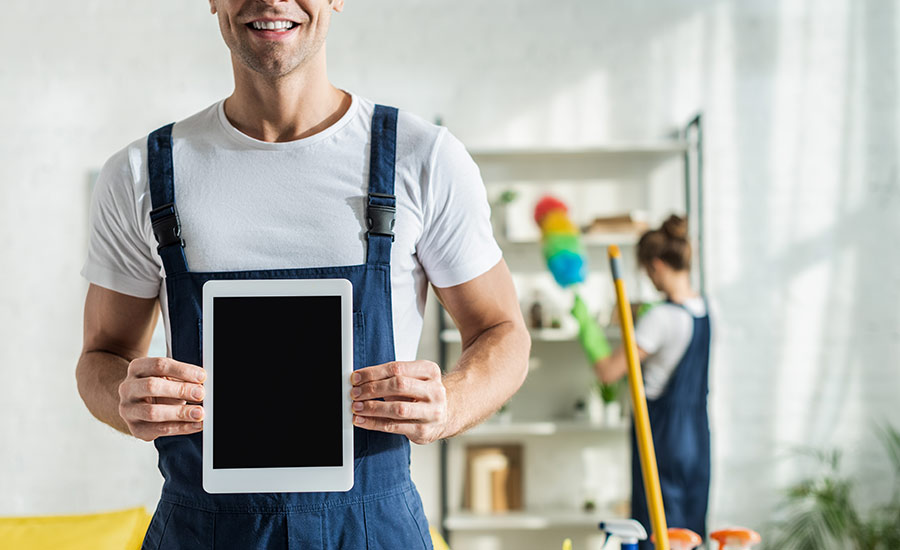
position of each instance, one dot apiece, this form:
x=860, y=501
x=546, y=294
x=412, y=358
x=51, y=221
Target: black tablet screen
x=277, y=382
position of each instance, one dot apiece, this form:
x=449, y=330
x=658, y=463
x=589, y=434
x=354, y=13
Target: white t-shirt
x=665, y=333
x=246, y=204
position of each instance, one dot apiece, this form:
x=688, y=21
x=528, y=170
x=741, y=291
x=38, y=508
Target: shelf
x=495, y=428
x=588, y=240
x=539, y=165
x=537, y=335
x=541, y=334
x=530, y=520
x=565, y=154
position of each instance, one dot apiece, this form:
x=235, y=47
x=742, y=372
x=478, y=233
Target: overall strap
x=689, y=312
x=164, y=215
x=381, y=205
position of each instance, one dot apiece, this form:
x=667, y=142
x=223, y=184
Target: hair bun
x=675, y=227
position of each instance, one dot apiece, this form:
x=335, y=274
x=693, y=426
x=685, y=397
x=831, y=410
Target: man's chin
x=269, y=66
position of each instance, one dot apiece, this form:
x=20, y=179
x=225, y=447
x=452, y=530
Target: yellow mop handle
x=639, y=400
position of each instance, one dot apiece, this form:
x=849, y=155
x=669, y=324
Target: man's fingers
x=168, y=401
x=399, y=386
x=423, y=370
x=416, y=432
x=402, y=397
x=148, y=431
x=154, y=413
x=156, y=397
x=397, y=410
x=381, y=424
x=165, y=367
x=161, y=387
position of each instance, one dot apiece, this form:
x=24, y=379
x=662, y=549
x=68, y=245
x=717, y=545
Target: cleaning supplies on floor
x=681, y=539
x=629, y=532
x=736, y=538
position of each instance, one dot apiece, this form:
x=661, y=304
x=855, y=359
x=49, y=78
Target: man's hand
x=158, y=398
x=415, y=401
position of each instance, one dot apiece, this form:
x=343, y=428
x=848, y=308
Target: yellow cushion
x=120, y=530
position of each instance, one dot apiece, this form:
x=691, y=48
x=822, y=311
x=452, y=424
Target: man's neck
x=286, y=109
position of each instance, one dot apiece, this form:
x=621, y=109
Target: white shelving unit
x=539, y=165
x=593, y=240
x=558, y=451
x=451, y=335
x=528, y=520
x=523, y=429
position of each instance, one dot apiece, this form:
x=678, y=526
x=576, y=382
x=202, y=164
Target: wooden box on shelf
x=493, y=478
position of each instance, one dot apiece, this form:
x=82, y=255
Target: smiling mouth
x=275, y=26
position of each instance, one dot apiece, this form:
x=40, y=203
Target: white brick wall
x=800, y=104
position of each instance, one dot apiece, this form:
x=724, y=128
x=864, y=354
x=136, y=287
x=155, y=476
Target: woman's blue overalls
x=383, y=509
x=680, y=425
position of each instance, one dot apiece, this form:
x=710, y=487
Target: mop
x=649, y=471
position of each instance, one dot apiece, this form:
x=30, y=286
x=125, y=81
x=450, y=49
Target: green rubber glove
x=591, y=336
x=644, y=308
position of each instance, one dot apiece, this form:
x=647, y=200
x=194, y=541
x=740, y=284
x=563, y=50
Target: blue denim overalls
x=680, y=425
x=383, y=509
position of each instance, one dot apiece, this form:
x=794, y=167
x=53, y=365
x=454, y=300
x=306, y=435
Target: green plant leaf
x=890, y=439
x=820, y=514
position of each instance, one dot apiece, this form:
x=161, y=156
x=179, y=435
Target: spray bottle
x=628, y=530
x=735, y=538
x=681, y=539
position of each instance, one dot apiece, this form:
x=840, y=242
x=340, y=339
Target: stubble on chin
x=276, y=60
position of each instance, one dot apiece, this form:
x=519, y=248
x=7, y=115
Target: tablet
x=278, y=356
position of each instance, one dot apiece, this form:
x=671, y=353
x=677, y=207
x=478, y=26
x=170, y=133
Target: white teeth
x=272, y=25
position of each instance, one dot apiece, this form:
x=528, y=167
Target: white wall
x=800, y=104
x=88, y=78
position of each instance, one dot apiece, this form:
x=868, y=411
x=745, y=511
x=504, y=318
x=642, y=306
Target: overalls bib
x=680, y=425
x=383, y=509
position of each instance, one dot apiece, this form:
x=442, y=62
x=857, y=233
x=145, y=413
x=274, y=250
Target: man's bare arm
x=137, y=395
x=495, y=347
x=117, y=329
x=421, y=404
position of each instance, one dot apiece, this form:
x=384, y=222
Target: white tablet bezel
x=278, y=480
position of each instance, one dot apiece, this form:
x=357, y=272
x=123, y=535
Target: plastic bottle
x=628, y=530
x=736, y=538
x=536, y=313
x=681, y=539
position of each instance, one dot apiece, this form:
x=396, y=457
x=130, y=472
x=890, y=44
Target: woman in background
x=673, y=340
